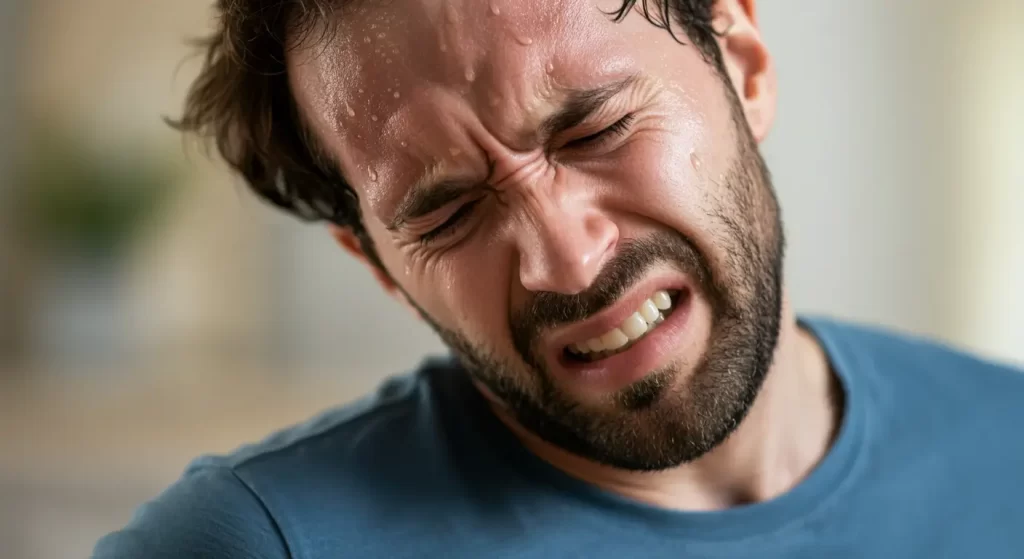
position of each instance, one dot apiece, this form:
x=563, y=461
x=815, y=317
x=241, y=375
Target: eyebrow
x=424, y=199
x=581, y=103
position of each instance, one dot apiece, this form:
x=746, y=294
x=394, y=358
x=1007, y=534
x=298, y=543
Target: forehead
x=400, y=86
x=438, y=42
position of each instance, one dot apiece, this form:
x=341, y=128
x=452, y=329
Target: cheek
x=476, y=294
x=674, y=176
x=464, y=289
x=662, y=179
x=467, y=290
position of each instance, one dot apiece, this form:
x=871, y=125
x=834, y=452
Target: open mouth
x=652, y=312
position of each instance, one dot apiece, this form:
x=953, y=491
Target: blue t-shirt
x=928, y=462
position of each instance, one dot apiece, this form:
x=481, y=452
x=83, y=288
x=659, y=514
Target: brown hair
x=241, y=99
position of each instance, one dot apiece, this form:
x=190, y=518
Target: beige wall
x=986, y=301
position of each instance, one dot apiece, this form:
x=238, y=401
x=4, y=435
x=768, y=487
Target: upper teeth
x=633, y=328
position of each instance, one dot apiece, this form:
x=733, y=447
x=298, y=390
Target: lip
x=615, y=315
x=622, y=369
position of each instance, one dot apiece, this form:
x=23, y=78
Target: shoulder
x=939, y=424
x=259, y=500
x=209, y=512
x=918, y=390
x=904, y=357
x=379, y=420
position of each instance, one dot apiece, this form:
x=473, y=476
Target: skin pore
x=529, y=172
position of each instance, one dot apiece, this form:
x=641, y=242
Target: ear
x=350, y=242
x=748, y=63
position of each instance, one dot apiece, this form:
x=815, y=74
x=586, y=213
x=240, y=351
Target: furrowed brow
x=581, y=103
x=423, y=201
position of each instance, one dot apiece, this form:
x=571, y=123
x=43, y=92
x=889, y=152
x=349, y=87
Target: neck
x=787, y=431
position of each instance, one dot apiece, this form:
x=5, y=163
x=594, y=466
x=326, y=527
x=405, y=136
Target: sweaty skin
x=412, y=94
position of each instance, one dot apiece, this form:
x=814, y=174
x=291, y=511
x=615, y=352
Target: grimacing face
x=530, y=173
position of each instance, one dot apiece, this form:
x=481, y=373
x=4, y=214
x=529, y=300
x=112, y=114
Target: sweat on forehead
x=391, y=69
x=377, y=52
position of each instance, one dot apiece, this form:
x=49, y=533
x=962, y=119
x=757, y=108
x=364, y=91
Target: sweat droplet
x=454, y=151
x=550, y=67
x=403, y=143
x=495, y=10
x=470, y=75
x=361, y=90
x=524, y=40
x=349, y=110
x=380, y=35
x=444, y=47
x=372, y=174
x=397, y=95
x=374, y=118
x=388, y=61
x=695, y=161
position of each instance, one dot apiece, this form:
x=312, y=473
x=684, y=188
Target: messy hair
x=242, y=102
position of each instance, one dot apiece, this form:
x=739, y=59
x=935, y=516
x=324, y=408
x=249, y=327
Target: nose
x=565, y=247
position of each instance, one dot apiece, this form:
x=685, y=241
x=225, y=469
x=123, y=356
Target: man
x=571, y=194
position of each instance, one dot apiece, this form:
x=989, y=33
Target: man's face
x=576, y=205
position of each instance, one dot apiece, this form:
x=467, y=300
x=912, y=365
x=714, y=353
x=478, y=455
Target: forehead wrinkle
x=524, y=115
x=480, y=39
x=501, y=64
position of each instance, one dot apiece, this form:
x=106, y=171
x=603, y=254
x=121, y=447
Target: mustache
x=635, y=257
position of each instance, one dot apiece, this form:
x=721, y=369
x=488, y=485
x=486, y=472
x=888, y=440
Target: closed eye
x=618, y=128
x=451, y=224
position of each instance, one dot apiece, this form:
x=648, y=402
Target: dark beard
x=659, y=422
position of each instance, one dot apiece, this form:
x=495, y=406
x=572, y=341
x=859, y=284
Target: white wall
x=859, y=157
x=897, y=158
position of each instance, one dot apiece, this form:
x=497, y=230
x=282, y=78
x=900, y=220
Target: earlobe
x=349, y=241
x=758, y=93
x=748, y=64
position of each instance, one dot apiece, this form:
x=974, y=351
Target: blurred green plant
x=73, y=198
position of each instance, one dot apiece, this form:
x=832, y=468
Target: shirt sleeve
x=208, y=513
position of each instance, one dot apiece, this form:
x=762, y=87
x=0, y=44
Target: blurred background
x=151, y=310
